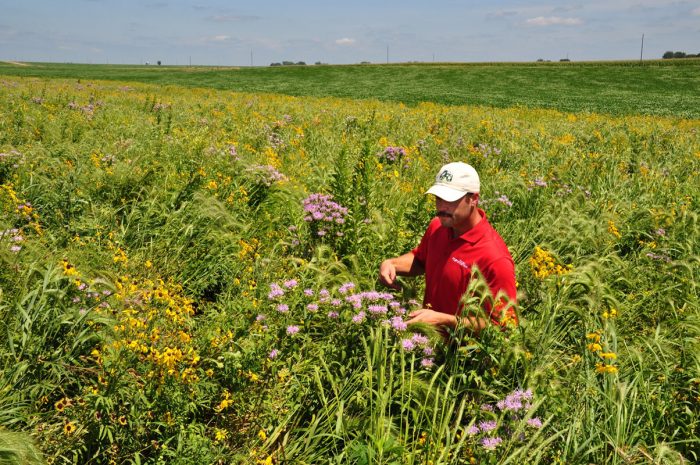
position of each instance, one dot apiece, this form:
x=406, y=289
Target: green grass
x=668, y=88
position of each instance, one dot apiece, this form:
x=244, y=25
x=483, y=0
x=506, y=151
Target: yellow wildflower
x=612, y=229
x=69, y=428
x=220, y=434
x=594, y=347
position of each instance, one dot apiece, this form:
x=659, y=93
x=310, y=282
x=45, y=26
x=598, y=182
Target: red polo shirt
x=448, y=261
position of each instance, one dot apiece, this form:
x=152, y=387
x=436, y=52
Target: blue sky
x=222, y=33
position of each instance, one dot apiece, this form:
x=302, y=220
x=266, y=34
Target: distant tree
x=564, y=59
x=318, y=63
x=667, y=55
x=275, y=64
x=287, y=63
x=301, y=63
x=540, y=59
x=364, y=62
x=678, y=54
x=158, y=62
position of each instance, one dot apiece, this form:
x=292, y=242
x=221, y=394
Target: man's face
x=455, y=214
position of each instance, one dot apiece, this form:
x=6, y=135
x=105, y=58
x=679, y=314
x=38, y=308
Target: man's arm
x=425, y=315
x=405, y=265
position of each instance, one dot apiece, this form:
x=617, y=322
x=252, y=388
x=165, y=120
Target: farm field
x=189, y=276
x=658, y=87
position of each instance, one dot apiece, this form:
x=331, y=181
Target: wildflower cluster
x=153, y=330
x=659, y=257
x=612, y=229
x=537, y=182
x=392, y=155
x=87, y=110
x=14, y=238
x=544, y=265
x=266, y=174
x=419, y=344
x=503, y=198
x=289, y=305
x=89, y=294
x=596, y=346
x=485, y=150
x=324, y=215
x=23, y=210
x=510, y=419
x=9, y=161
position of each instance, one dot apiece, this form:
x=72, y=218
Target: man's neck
x=474, y=219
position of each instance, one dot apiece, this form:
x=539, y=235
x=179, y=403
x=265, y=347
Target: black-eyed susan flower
x=69, y=428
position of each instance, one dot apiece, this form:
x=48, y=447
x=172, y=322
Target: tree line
x=670, y=54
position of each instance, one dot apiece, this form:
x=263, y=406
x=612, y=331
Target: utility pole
x=641, y=52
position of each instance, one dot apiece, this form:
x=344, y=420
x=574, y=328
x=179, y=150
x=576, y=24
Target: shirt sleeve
x=421, y=252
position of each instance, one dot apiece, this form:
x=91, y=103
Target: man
x=457, y=240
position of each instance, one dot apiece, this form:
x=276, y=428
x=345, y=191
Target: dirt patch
x=17, y=63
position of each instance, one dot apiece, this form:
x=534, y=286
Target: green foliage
x=18, y=449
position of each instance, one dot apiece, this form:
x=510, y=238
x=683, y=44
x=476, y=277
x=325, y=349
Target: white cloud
x=345, y=41
x=553, y=20
x=696, y=12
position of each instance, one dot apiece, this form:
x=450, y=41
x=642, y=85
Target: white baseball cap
x=454, y=181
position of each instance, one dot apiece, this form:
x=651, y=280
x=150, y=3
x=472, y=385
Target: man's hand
x=405, y=265
x=387, y=274
x=437, y=319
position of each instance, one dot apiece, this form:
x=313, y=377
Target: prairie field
x=654, y=87
x=189, y=275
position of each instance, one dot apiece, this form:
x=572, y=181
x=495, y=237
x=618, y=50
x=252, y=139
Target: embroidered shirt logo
x=460, y=263
x=445, y=176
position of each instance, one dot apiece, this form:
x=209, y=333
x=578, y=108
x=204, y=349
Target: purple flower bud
x=292, y=330
x=283, y=308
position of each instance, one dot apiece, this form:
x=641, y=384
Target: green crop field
x=189, y=260
x=663, y=87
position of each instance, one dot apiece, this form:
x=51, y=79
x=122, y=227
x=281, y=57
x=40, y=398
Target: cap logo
x=445, y=176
